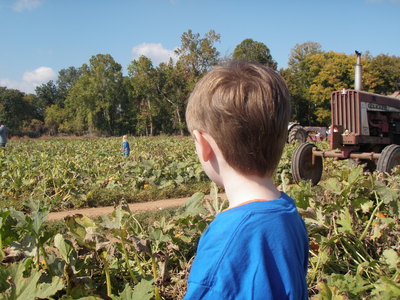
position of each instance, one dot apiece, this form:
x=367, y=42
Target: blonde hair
x=245, y=107
x=125, y=138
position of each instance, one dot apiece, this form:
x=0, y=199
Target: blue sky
x=41, y=37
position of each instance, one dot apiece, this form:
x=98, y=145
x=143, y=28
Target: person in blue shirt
x=238, y=115
x=125, y=146
x=3, y=134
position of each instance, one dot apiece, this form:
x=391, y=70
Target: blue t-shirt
x=125, y=148
x=258, y=250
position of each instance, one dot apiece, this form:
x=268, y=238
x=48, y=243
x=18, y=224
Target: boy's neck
x=239, y=188
x=243, y=188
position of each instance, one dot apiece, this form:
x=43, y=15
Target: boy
x=126, y=149
x=258, y=248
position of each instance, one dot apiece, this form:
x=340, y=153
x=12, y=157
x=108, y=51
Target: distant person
x=238, y=115
x=318, y=136
x=3, y=134
x=328, y=131
x=125, y=146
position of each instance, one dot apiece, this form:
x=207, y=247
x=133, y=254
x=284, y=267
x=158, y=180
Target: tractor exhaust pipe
x=358, y=73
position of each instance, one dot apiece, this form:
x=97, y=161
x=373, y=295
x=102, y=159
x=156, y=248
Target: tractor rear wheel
x=390, y=157
x=297, y=134
x=302, y=164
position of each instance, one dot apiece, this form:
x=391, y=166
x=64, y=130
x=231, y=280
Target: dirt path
x=135, y=207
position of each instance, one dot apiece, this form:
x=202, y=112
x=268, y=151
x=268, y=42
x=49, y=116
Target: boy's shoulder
x=257, y=220
x=253, y=244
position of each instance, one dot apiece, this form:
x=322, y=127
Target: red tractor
x=365, y=127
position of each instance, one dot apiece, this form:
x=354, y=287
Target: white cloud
x=30, y=80
x=21, y=5
x=156, y=52
x=40, y=75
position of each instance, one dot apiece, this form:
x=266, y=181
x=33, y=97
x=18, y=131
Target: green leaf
x=66, y=249
x=387, y=194
x=185, y=239
x=37, y=220
x=366, y=206
x=303, y=196
x=214, y=192
x=28, y=288
x=3, y=216
x=322, y=258
x=83, y=229
x=354, y=175
x=377, y=233
x=327, y=292
x=333, y=185
x=126, y=294
x=386, y=288
x=354, y=285
x=346, y=222
x=391, y=258
x=216, y=205
x=194, y=206
x=44, y=290
x=144, y=290
x=158, y=236
x=3, y=231
x=19, y=216
x=118, y=218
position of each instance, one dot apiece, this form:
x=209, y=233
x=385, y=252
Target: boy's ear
x=206, y=152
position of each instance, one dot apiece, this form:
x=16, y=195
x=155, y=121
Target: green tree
x=330, y=72
x=173, y=88
x=97, y=99
x=198, y=54
x=387, y=72
x=251, y=50
x=333, y=71
x=312, y=76
x=66, y=80
x=299, y=77
x=301, y=51
x=55, y=117
x=47, y=94
x=144, y=90
x=15, y=110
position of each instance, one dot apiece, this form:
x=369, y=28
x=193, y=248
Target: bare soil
x=134, y=207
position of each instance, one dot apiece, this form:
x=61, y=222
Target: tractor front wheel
x=390, y=157
x=303, y=166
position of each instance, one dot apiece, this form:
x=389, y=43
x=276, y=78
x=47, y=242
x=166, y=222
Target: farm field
x=352, y=220
x=75, y=173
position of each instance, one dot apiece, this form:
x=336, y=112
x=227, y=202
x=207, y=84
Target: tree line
x=98, y=99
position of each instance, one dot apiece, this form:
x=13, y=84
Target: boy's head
x=245, y=107
x=125, y=138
